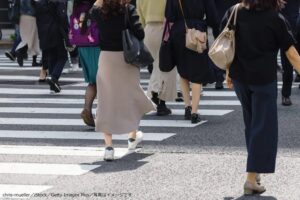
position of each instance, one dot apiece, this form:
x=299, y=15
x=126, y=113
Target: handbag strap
x=126, y=17
x=233, y=14
x=182, y=12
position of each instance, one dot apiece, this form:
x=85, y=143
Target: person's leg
x=86, y=114
x=196, y=90
x=109, y=150
x=264, y=129
x=185, y=88
x=61, y=60
x=287, y=79
x=244, y=95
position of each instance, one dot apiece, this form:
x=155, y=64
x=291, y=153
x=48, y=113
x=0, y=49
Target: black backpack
x=14, y=11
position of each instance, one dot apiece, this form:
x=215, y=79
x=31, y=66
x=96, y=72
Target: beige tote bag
x=223, y=49
x=195, y=40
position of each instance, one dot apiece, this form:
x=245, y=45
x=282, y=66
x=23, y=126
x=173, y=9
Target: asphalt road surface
x=46, y=151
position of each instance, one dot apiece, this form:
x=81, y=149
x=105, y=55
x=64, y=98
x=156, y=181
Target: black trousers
x=54, y=59
x=259, y=103
x=287, y=76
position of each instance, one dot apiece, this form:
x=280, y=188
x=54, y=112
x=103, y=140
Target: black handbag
x=135, y=51
x=14, y=11
x=166, y=61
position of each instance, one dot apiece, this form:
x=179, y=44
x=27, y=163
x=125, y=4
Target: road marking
x=79, y=122
x=81, y=101
x=35, y=78
x=61, y=151
x=21, y=191
x=45, y=91
x=65, y=135
x=45, y=168
x=35, y=110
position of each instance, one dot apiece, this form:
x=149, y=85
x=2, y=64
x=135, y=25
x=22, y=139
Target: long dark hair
x=262, y=4
x=112, y=8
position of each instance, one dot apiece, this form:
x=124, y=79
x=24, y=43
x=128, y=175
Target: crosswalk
x=29, y=112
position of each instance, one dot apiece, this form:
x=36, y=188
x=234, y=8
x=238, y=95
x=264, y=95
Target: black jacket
x=52, y=22
x=111, y=28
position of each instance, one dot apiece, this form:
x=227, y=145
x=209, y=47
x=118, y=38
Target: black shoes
x=155, y=98
x=179, y=97
x=162, y=110
x=188, y=113
x=20, y=59
x=35, y=63
x=54, y=86
x=286, y=101
x=10, y=55
x=219, y=86
x=195, y=118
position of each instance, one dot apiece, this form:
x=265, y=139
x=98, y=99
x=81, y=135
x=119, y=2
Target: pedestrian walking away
x=121, y=100
x=260, y=32
x=85, y=35
x=28, y=33
x=53, y=25
x=192, y=66
x=291, y=12
x=162, y=85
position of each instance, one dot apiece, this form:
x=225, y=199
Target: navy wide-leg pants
x=259, y=103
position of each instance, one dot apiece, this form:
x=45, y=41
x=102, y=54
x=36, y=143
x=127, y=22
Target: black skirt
x=191, y=65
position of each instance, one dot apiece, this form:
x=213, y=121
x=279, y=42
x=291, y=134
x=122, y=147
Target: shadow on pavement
x=130, y=162
x=251, y=198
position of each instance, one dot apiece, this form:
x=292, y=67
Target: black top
x=223, y=6
x=291, y=12
x=196, y=12
x=111, y=29
x=52, y=22
x=259, y=36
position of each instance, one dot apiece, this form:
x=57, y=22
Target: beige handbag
x=195, y=40
x=222, y=50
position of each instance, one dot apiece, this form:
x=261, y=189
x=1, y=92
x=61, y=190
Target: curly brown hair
x=112, y=8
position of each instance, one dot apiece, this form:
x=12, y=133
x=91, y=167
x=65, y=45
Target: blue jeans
x=259, y=103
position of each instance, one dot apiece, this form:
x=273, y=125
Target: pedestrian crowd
x=115, y=38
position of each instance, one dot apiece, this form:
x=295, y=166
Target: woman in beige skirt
x=28, y=32
x=162, y=85
x=121, y=100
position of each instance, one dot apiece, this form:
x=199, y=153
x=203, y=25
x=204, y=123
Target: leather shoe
x=286, y=101
x=87, y=117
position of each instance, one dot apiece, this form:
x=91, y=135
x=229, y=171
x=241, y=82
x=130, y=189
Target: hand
x=281, y=4
x=228, y=80
x=98, y=3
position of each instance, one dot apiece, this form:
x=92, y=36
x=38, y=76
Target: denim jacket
x=26, y=8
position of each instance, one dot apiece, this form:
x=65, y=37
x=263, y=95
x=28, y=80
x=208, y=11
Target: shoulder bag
x=195, y=40
x=166, y=62
x=135, y=51
x=223, y=49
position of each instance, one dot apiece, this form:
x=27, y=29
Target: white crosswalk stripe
x=33, y=114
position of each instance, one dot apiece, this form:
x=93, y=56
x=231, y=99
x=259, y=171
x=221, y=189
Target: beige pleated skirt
x=29, y=35
x=163, y=83
x=121, y=100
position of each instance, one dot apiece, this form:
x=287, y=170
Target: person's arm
x=135, y=23
x=140, y=13
x=294, y=58
x=212, y=16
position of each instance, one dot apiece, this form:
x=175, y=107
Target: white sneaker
x=132, y=144
x=109, y=154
